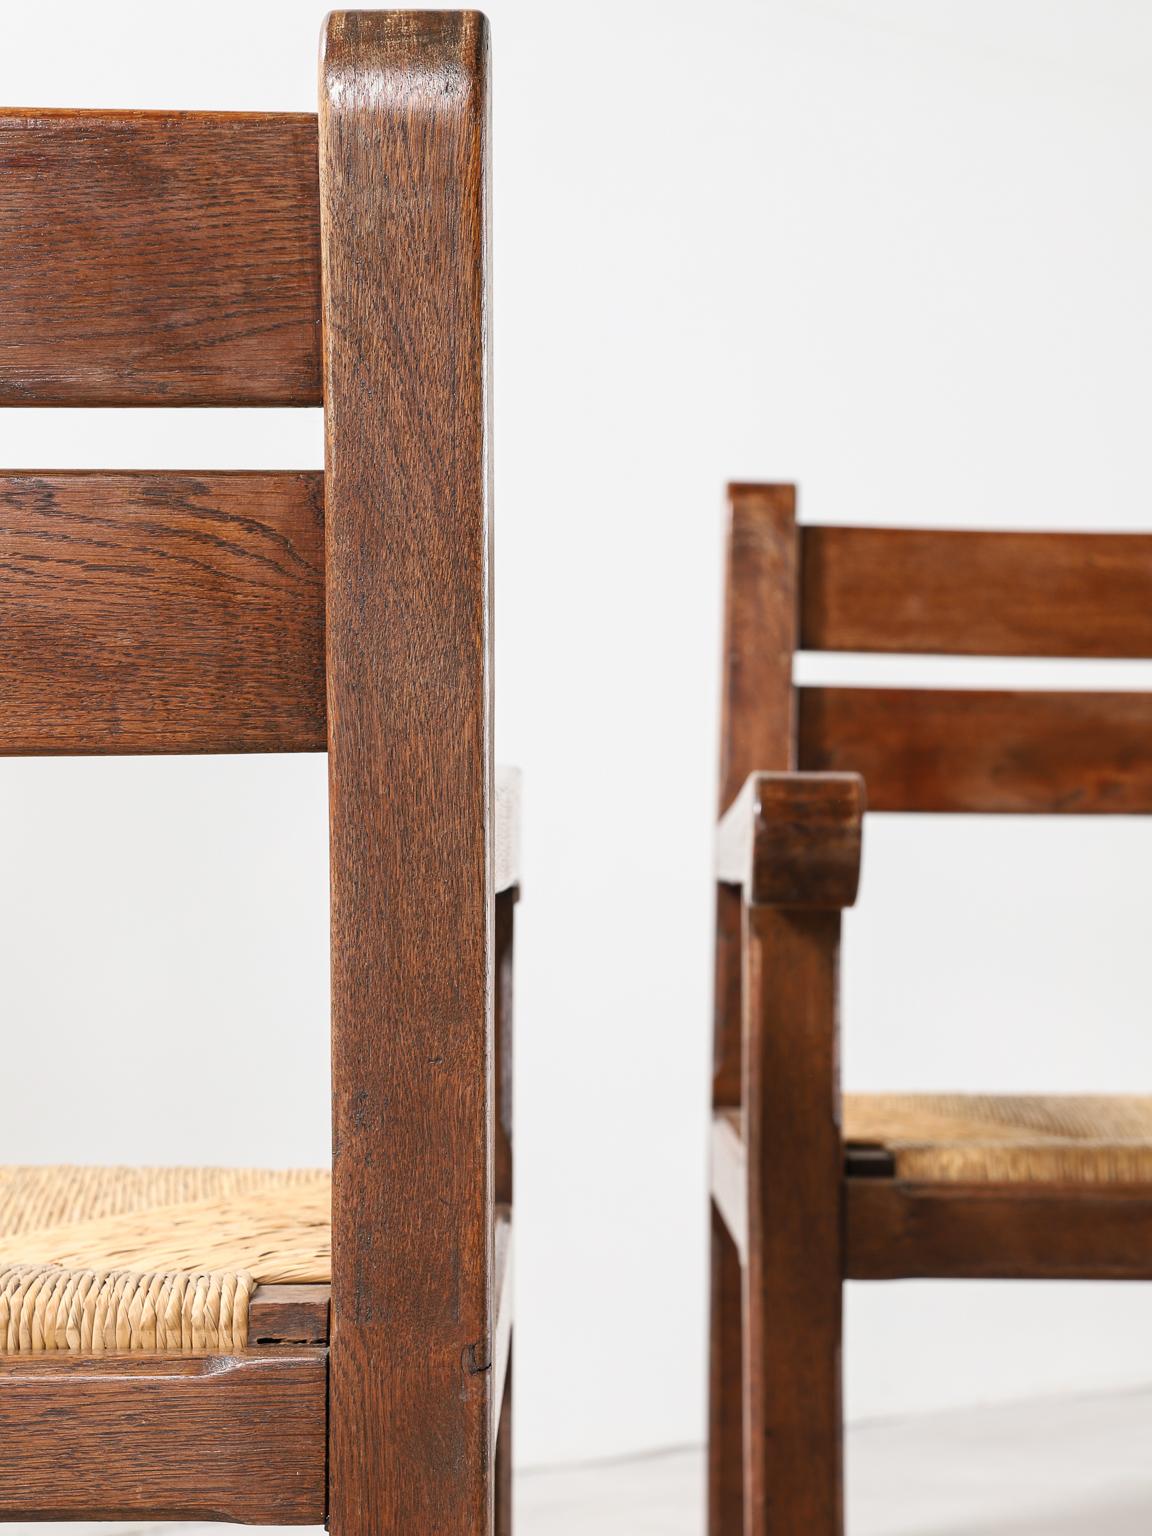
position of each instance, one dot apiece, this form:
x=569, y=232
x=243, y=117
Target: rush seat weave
x=972, y=1138
x=94, y=1260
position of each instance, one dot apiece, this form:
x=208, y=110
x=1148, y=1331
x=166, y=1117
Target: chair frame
x=795, y=1212
x=384, y=1404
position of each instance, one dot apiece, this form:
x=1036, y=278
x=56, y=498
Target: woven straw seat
x=970, y=1138
x=112, y=1259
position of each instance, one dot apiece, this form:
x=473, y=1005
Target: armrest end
x=794, y=839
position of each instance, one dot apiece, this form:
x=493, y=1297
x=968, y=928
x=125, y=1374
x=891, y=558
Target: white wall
x=897, y=250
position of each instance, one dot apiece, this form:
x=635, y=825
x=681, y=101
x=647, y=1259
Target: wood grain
x=403, y=169
x=794, y=839
x=503, y=1187
x=725, y=1390
x=976, y=593
x=726, y=997
x=289, y=1314
x=757, y=732
x=164, y=1437
x=968, y=750
x=897, y=1230
x=161, y=612
x=159, y=258
x=794, y=1267
x=761, y=625
x=757, y=724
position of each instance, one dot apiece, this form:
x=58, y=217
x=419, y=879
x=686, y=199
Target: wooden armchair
x=178, y=1344
x=808, y=1192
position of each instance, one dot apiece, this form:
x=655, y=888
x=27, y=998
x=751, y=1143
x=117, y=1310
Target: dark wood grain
x=794, y=1267
x=726, y=997
x=502, y=1475
x=757, y=731
x=155, y=258
x=503, y=1189
x=725, y=1391
x=794, y=839
x=403, y=168
x=968, y=750
x=897, y=1230
x=976, y=593
x=757, y=724
x=289, y=1314
x=161, y=612
x=504, y=1104
x=164, y=1437
x=869, y=1162
x=761, y=622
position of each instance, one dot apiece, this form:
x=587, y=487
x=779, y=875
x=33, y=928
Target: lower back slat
x=969, y=750
x=161, y=612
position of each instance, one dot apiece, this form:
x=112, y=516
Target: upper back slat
x=152, y=258
x=976, y=593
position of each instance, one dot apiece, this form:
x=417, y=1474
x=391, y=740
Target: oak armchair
x=254, y=1346
x=809, y=1189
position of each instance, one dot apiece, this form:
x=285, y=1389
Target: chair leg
x=505, y=942
x=793, y=1275
x=503, y=1468
x=725, y=1388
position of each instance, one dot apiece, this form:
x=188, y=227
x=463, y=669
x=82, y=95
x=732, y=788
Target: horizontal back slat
x=159, y=259
x=961, y=750
x=976, y=594
x=161, y=613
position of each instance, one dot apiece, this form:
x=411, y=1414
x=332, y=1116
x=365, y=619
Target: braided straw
x=100, y=1259
x=980, y=1138
x=94, y=1311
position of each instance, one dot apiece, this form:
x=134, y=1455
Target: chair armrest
x=507, y=828
x=793, y=839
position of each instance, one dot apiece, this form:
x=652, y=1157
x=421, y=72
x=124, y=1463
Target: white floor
x=1059, y=1467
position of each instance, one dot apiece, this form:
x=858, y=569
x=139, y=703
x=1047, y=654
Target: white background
x=897, y=250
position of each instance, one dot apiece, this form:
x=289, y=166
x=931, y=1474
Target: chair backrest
x=820, y=588
x=215, y=259
x=160, y=259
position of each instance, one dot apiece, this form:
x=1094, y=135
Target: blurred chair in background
x=809, y=1191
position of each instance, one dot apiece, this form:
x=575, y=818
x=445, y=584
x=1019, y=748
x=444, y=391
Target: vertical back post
x=761, y=633
x=404, y=228
x=757, y=710
x=757, y=731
